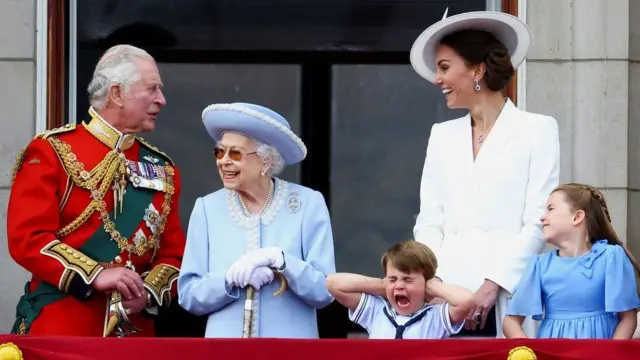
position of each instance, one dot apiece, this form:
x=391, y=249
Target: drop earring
x=475, y=82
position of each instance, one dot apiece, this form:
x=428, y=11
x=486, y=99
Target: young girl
x=588, y=288
x=395, y=307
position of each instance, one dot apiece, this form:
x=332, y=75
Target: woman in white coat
x=487, y=175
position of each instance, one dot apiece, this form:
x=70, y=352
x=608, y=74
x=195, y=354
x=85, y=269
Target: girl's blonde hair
x=590, y=200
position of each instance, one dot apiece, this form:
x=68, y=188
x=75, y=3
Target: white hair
x=117, y=66
x=269, y=152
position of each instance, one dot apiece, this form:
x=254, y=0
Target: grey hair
x=117, y=66
x=269, y=152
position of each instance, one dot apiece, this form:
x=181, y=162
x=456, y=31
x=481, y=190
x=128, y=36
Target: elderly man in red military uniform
x=93, y=212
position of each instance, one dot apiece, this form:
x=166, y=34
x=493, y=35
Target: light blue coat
x=220, y=232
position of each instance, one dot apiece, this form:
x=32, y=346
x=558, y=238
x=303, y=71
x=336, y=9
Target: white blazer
x=482, y=218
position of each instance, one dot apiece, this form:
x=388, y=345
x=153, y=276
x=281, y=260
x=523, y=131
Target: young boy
x=396, y=307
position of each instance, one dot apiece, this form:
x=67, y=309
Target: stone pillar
x=633, y=231
x=578, y=72
x=17, y=121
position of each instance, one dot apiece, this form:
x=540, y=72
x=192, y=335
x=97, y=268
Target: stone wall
x=17, y=127
x=578, y=71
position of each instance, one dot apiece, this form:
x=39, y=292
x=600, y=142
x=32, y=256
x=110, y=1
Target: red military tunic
x=49, y=218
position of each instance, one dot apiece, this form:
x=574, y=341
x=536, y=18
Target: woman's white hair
x=265, y=152
x=117, y=66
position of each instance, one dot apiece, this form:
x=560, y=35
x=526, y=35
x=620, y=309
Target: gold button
x=70, y=251
x=63, y=247
x=90, y=263
x=154, y=283
x=76, y=256
x=118, y=259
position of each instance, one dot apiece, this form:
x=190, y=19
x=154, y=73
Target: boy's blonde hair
x=409, y=256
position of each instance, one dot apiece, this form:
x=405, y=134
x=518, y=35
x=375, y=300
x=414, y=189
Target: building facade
x=347, y=98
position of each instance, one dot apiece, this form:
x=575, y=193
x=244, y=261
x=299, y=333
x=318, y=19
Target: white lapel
x=499, y=135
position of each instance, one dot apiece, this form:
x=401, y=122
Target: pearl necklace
x=267, y=203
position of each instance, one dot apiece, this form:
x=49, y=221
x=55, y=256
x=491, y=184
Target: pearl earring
x=475, y=82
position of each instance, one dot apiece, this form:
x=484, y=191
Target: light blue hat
x=258, y=122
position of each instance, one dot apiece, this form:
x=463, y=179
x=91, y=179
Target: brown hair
x=411, y=256
x=590, y=200
x=479, y=46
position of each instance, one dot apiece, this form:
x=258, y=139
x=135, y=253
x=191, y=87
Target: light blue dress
x=577, y=297
x=220, y=232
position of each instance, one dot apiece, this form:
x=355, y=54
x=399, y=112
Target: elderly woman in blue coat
x=256, y=229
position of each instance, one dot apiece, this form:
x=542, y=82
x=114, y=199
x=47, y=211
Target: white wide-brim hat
x=257, y=122
x=508, y=29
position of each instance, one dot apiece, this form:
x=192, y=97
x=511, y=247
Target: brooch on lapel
x=293, y=203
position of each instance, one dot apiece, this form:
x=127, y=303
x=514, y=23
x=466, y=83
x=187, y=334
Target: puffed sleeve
x=620, y=284
x=527, y=298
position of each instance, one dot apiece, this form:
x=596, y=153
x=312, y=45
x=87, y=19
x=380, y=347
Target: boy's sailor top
x=381, y=321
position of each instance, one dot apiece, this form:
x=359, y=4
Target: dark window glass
x=311, y=25
x=366, y=126
x=189, y=88
x=382, y=118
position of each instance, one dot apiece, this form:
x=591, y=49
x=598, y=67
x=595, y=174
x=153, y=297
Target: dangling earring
x=475, y=82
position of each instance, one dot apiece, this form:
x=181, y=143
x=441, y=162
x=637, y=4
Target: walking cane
x=248, y=305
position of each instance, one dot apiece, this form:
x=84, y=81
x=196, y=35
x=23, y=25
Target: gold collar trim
x=107, y=134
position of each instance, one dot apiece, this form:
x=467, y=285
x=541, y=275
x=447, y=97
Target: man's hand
x=136, y=304
x=125, y=281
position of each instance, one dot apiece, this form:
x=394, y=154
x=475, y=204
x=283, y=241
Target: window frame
x=60, y=57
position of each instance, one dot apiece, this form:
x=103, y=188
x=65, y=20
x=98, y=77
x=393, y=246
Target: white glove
x=275, y=256
x=239, y=273
x=261, y=276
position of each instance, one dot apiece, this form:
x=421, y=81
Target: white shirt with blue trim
x=435, y=324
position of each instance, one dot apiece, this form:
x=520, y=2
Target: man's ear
x=115, y=95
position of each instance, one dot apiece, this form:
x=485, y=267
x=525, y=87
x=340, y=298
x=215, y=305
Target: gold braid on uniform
x=18, y=164
x=99, y=181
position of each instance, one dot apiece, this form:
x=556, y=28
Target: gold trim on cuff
x=74, y=262
x=159, y=282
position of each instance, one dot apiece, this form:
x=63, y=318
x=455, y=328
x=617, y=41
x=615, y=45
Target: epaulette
x=43, y=135
x=156, y=150
x=63, y=129
x=18, y=163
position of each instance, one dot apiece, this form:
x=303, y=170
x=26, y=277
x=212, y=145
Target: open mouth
x=230, y=175
x=447, y=91
x=402, y=301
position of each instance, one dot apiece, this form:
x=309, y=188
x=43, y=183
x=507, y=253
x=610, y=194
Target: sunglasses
x=235, y=155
